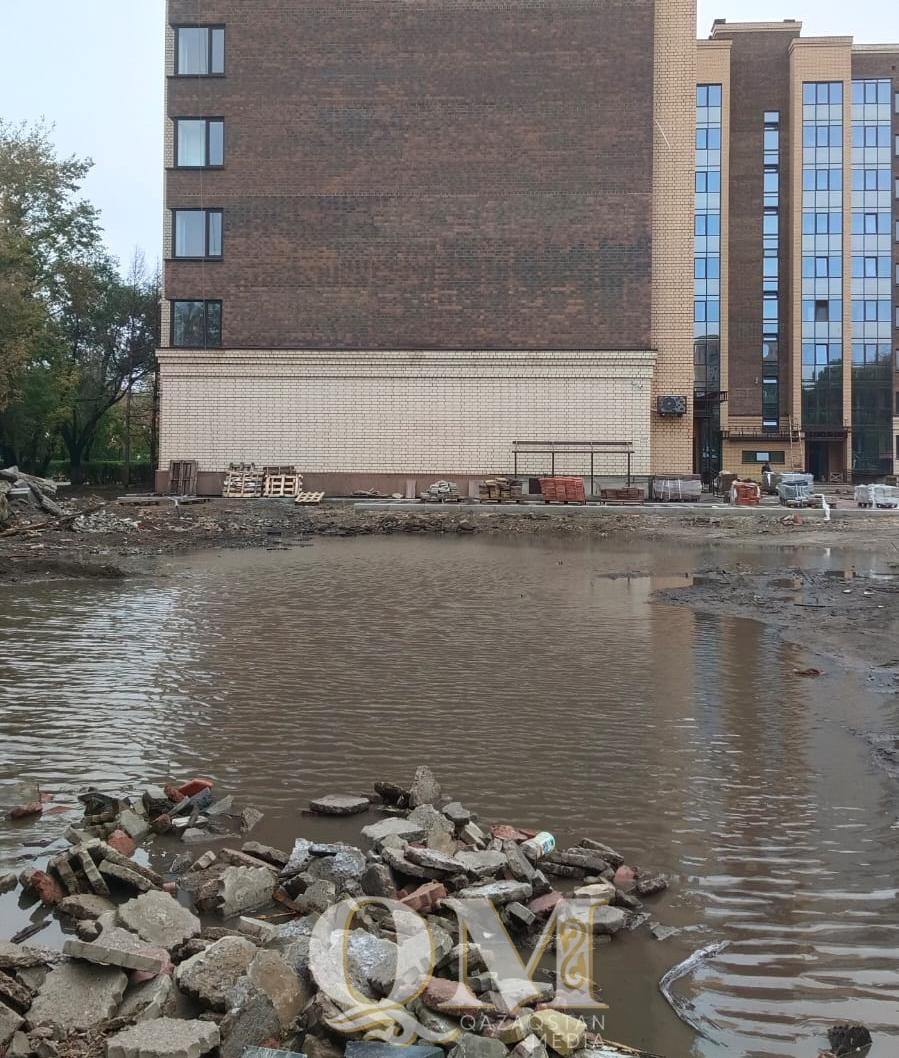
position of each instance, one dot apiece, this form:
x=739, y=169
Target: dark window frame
x=206, y=302
x=207, y=256
x=209, y=27
x=208, y=121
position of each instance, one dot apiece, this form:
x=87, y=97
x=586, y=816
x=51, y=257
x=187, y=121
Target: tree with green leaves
x=76, y=338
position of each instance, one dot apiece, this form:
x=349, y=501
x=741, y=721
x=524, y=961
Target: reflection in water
x=546, y=689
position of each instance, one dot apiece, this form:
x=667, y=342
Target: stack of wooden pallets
x=243, y=480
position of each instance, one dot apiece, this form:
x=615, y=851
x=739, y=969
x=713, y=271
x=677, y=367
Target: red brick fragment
x=425, y=898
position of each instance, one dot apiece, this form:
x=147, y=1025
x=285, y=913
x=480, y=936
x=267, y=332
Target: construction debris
x=266, y=982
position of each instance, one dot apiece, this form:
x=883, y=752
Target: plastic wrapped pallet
x=677, y=489
x=795, y=487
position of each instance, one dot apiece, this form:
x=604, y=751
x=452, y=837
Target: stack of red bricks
x=563, y=490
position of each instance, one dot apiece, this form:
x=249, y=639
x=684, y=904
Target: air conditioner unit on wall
x=671, y=406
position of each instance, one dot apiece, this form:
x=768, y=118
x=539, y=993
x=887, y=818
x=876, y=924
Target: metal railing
x=581, y=448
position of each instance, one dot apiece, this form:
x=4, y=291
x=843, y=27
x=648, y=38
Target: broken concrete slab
x=378, y=881
x=377, y=1049
x=470, y=1046
x=126, y=876
x=431, y=820
x=560, y=1032
x=271, y=974
x=14, y=994
x=425, y=790
x=136, y=826
x=85, y=906
x=164, y=1038
x=456, y=813
x=147, y=1000
x=118, y=947
x=75, y=996
x=267, y=853
x=244, y=889
x=159, y=919
x=433, y=859
x=209, y=976
x=20, y=957
x=250, y=818
x=393, y=826
x=250, y=1021
x=482, y=864
x=530, y=1047
x=8, y=882
x=300, y=856
x=613, y=858
x=86, y=862
x=498, y=892
x=10, y=1023
x=339, y=805
x=608, y=920
x=347, y=864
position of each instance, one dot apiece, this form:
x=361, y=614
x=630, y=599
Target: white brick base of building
x=401, y=414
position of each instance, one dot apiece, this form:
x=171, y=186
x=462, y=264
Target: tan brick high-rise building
x=796, y=254
x=403, y=234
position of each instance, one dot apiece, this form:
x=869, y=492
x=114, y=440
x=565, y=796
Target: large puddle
x=545, y=688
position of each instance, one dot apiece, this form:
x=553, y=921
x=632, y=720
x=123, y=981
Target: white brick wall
x=399, y=412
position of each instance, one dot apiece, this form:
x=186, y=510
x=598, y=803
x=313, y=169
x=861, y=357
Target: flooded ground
x=545, y=687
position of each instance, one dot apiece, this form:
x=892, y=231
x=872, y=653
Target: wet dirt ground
x=568, y=678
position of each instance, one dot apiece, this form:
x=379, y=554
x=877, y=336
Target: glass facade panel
x=707, y=284
x=872, y=292
x=822, y=226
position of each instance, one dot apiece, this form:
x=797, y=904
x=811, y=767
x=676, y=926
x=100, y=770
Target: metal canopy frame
x=581, y=448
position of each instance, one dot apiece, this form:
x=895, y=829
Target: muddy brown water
x=546, y=688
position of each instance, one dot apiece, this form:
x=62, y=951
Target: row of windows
x=822, y=180
x=871, y=92
x=871, y=135
x=823, y=136
x=822, y=223
x=830, y=92
x=199, y=144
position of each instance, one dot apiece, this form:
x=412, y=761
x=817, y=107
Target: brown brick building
x=796, y=254
x=403, y=234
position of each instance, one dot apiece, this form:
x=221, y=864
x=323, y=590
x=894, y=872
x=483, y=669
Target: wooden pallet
x=243, y=484
x=283, y=486
x=275, y=471
x=309, y=499
x=183, y=477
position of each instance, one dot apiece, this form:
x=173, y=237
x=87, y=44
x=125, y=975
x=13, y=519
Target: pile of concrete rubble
x=215, y=956
x=22, y=496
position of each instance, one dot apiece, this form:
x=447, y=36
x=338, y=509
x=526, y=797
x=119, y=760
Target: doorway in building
x=818, y=459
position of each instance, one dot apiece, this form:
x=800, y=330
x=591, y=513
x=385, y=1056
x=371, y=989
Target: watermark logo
x=342, y=961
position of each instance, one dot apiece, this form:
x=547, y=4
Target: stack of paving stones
x=214, y=957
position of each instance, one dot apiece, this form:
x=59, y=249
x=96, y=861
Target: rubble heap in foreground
x=143, y=977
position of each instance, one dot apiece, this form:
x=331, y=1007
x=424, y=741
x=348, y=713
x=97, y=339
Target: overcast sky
x=97, y=76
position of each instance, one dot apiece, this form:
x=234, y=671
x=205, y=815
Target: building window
x=199, y=51
x=764, y=457
x=199, y=143
x=197, y=233
x=196, y=324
